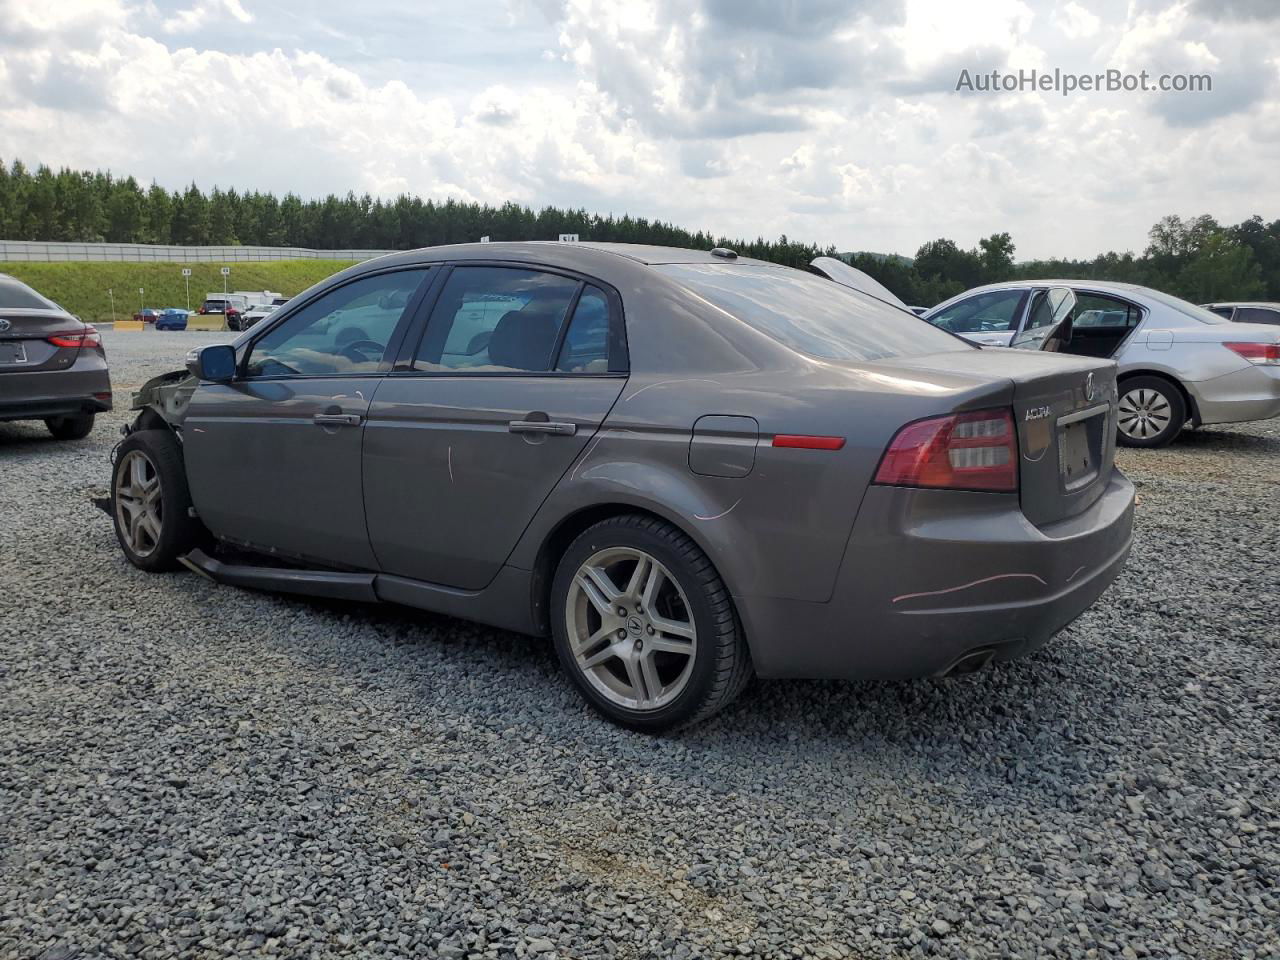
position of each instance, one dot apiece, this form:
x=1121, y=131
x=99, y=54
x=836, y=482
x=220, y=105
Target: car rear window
x=16, y=295
x=811, y=314
x=1184, y=307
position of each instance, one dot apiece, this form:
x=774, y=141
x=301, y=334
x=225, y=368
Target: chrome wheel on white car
x=1150, y=413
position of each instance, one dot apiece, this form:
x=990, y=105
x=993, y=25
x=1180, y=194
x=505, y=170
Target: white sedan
x=1178, y=362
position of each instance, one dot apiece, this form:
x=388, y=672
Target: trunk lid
x=24, y=340
x=1064, y=409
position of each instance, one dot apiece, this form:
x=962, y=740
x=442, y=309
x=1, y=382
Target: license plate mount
x=13, y=351
x=1081, y=441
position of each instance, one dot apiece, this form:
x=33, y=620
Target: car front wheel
x=151, y=505
x=1151, y=412
x=645, y=627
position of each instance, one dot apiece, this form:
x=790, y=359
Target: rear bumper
x=1249, y=394
x=932, y=578
x=84, y=387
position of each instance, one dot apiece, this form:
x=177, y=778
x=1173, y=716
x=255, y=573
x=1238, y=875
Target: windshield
x=811, y=314
x=1184, y=307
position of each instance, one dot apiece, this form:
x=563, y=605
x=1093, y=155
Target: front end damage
x=164, y=399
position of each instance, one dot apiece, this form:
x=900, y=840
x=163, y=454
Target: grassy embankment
x=82, y=287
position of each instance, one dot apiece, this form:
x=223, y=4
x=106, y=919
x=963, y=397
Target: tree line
x=77, y=205
x=1196, y=258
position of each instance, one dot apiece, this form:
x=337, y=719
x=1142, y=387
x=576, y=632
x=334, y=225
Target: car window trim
x=408, y=354
x=280, y=316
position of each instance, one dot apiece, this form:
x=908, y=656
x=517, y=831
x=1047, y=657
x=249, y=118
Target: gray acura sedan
x=687, y=467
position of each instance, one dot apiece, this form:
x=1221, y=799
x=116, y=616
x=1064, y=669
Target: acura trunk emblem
x=1088, y=387
x=4, y=325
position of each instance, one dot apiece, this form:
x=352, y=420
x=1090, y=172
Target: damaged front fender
x=166, y=396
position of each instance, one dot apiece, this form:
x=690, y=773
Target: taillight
x=961, y=451
x=89, y=337
x=1265, y=354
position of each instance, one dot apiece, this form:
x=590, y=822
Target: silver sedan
x=1178, y=362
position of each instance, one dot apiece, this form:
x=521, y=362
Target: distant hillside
x=82, y=287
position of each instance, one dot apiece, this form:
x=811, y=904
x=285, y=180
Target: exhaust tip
x=971, y=662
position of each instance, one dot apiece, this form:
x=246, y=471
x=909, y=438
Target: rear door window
x=810, y=314
x=496, y=320
x=1094, y=311
x=586, y=342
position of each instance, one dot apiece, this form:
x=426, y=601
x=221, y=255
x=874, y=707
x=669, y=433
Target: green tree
x=1220, y=269
x=997, y=257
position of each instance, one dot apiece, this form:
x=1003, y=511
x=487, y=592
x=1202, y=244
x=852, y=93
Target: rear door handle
x=337, y=419
x=543, y=426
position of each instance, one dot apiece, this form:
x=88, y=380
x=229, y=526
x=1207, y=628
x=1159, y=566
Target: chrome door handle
x=543, y=426
x=337, y=419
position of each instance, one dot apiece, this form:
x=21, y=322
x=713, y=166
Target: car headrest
x=523, y=339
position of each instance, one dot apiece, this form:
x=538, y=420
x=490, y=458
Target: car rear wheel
x=1151, y=412
x=75, y=427
x=645, y=627
x=151, y=503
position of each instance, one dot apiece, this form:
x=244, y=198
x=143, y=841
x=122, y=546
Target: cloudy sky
x=836, y=122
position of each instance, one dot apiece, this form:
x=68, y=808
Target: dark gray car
x=687, y=467
x=52, y=365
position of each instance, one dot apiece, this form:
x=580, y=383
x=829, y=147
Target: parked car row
x=1178, y=363
x=242, y=309
x=685, y=467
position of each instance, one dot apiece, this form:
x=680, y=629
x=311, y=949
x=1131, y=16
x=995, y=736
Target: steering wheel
x=352, y=350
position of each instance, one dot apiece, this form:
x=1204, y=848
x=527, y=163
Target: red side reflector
x=806, y=442
x=963, y=451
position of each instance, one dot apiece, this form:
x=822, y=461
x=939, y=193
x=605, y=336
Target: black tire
x=179, y=532
x=721, y=663
x=74, y=427
x=1164, y=406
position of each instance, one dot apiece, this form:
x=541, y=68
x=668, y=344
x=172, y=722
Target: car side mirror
x=216, y=363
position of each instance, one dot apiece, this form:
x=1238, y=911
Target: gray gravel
x=193, y=770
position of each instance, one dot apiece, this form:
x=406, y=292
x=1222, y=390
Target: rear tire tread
x=74, y=426
x=732, y=669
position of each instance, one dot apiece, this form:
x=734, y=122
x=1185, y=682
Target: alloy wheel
x=1144, y=413
x=630, y=628
x=138, y=502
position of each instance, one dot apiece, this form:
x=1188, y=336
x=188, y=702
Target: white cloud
x=205, y=12
x=1076, y=21
x=745, y=118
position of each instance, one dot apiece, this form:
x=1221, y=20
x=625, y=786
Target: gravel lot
x=194, y=770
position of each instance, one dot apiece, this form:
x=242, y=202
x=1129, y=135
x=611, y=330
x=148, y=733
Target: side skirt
x=505, y=603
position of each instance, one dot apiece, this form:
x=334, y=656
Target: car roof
x=1115, y=285
x=1269, y=304
x=552, y=250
